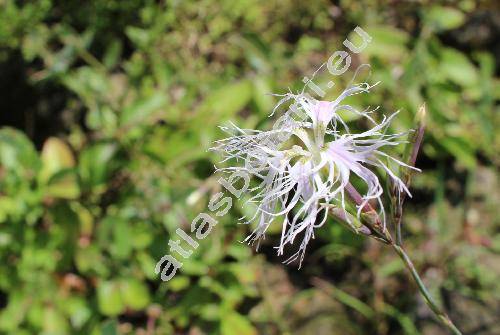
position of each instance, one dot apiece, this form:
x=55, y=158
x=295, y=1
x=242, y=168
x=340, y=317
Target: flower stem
x=411, y=154
x=440, y=314
x=398, y=217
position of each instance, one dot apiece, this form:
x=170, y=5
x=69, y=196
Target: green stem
x=398, y=218
x=441, y=315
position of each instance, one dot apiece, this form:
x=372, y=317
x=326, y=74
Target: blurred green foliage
x=108, y=107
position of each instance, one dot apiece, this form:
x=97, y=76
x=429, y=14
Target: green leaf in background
x=142, y=109
x=224, y=102
x=15, y=312
x=455, y=66
x=234, y=323
x=109, y=298
x=112, y=55
x=78, y=311
x=17, y=152
x=261, y=91
x=89, y=83
x=178, y=283
x=139, y=37
x=195, y=267
x=36, y=314
x=444, y=18
x=85, y=218
x=134, y=294
x=94, y=164
x=63, y=184
x=90, y=260
x=181, y=147
x=56, y=156
x=57, y=170
x=387, y=43
x=147, y=264
x=109, y=327
x=460, y=150
x=257, y=53
x=141, y=235
x=54, y=322
x=118, y=231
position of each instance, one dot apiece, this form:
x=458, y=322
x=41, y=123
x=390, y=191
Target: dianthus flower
x=305, y=163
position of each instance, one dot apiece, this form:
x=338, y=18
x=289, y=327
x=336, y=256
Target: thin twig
x=386, y=236
x=415, y=144
x=441, y=315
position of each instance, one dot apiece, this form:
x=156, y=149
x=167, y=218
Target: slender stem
x=441, y=315
x=398, y=218
x=411, y=158
x=399, y=238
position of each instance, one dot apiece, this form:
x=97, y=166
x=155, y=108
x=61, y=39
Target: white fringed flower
x=305, y=163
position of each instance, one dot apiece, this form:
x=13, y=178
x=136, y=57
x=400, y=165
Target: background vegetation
x=108, y=107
